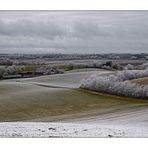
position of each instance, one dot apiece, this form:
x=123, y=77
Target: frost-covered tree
x=144, y=66
x=48, y=70
x=133, y=58
x=129, y=67
x=12, y=70
x=2, y=71
x=117, y=84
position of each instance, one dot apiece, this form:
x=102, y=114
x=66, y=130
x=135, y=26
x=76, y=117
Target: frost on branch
x=118, y=84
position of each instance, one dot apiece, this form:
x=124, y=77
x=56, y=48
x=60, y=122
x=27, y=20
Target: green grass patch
x=22, y=101
x=31, y=68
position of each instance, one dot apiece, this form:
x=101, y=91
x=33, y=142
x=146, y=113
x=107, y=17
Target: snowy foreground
x=44, y=129
x=130, y=122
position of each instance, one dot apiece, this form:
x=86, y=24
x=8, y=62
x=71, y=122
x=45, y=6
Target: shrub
x=129, y=67
x=2, y=70
x=117, y=84
x=48, y=70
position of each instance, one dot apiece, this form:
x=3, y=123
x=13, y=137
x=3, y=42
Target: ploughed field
x=56, y=98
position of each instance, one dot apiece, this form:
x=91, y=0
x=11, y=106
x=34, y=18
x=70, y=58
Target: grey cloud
x=73, y=31
x=87, y=29
x=30, y=28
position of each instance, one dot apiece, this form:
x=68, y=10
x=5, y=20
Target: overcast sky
x=73, y=31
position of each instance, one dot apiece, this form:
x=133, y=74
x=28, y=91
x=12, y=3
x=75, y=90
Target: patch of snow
x=42, y=129
x=71, y=80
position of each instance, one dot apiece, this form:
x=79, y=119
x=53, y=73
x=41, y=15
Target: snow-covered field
x=47, y=129
x=71, y=80
x=25, y=98
x=132, y=122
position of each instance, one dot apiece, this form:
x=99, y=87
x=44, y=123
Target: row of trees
x=10, y=70
x=15, y=70
x=48, y=70
x=109, y=65
x=117, y=84
x=143, y=66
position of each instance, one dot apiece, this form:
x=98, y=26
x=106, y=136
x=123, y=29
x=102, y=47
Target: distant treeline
x=76, y=56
